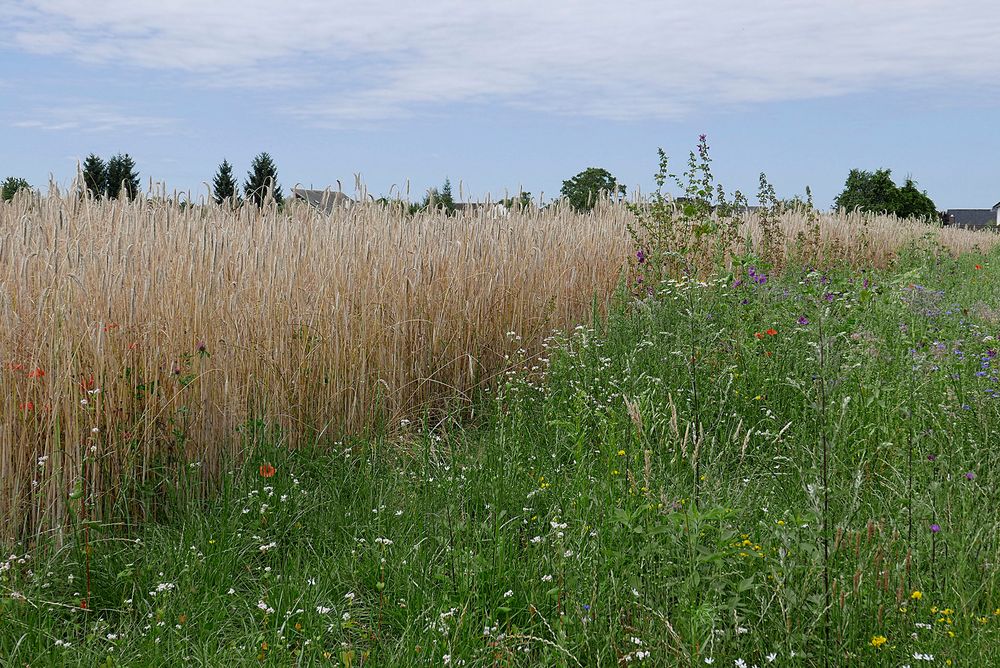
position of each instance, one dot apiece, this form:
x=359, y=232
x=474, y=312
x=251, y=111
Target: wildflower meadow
x=753, y=445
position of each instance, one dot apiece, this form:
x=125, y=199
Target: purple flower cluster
x=757, y=277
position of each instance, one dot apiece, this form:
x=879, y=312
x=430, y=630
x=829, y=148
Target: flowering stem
x=824, y=443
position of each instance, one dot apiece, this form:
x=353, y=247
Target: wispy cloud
x=638, y=59
x=92, y=118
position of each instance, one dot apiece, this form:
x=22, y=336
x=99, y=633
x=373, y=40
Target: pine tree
x=446, y=200
x=122, y=174
x=95, y=176
x=224, y=185
x=10, y=187
x=261, y=179
x=435, y=199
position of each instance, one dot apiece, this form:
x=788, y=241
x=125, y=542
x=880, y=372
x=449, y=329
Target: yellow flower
x=917, y=595
x=621, y=453
x=878, y=641
x=781, y=523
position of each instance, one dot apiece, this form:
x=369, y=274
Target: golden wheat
x=137, y=338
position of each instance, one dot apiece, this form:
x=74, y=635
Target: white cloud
x=634, y=59
x=92, y=118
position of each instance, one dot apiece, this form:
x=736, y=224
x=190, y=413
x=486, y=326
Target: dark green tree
x=522, y=201
x=11, y=185
x=583, y=190
x=868, y=191
x=123, y=177
x=914, y=203
x=261, y=180
x=876, y=192
x=224, y=185
x=95, y=176
x=440, y=199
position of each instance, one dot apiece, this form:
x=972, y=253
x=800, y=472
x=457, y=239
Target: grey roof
x=324, y=200
x=996, y=206
x=972, y=217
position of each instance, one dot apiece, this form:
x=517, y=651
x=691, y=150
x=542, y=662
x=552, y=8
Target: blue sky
x=507, y=94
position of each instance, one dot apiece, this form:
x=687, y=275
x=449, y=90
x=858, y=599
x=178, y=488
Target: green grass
x=652, y=485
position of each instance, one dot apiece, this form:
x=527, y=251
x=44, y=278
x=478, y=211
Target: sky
x=507, y=94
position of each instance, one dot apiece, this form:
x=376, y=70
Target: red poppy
x=15, y=366
x=26, y=406
x=37, y=373
x=267, y=471
x=759, y=335
x=979, y=266
x=83, y=603
x=87, y=384
x=111, y=325
x=768, y=353
x=772, y=332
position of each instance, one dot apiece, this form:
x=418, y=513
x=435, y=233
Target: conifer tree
x=261, y=179
x=10, y=187
x=224, y=185
x=122, y=174
x=95, y=176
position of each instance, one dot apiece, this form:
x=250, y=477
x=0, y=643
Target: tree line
x=118, y=177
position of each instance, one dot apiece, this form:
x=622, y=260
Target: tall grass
x=143, y=340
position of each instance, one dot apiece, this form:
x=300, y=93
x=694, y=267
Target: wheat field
x=141, y=340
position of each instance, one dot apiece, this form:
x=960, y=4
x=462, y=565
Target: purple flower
x=803, y=320
x=970, y=476
x=865, y=284
x=828, y=296
x=935, y=528
x=932, y=458
x=640, y=256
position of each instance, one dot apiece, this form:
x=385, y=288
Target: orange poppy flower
x=772, y=332
x=37, y=373
x=979, y=266
x=267, y=471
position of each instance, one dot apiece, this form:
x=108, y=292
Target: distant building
x=973, y=219
x=489, y=209
x=324, y=200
